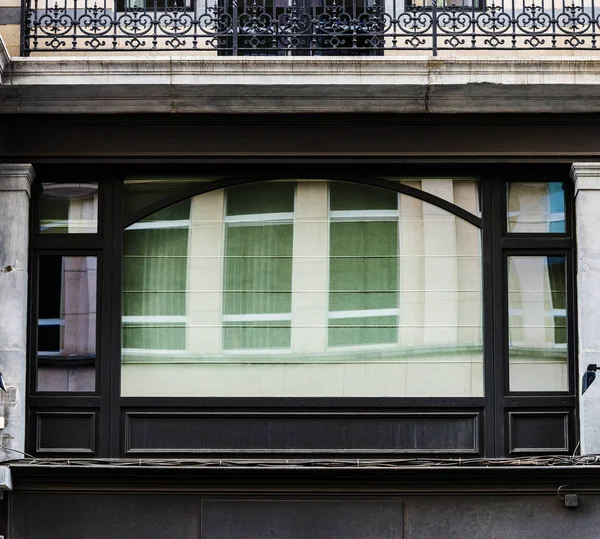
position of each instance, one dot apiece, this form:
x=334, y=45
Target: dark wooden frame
x=492, y=412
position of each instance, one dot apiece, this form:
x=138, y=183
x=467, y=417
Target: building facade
x=299, y=270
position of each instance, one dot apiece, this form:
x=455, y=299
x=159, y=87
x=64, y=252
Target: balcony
x=308, y=27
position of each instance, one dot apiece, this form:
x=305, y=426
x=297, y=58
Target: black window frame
x=493, y=413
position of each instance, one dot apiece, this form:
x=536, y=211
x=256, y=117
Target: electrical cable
x=542, y=461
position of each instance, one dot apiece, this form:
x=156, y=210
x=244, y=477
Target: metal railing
x=307, y=27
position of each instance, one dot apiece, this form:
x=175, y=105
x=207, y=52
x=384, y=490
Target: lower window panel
x=453, y=433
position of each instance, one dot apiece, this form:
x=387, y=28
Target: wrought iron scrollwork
x=309, y=27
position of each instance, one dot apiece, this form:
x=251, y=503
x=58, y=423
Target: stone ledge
x=255, y=71
x=389, y=85
x=300, y=99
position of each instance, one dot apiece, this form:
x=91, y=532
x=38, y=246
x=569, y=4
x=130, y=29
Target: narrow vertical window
x=537, y=314
x=66, y=340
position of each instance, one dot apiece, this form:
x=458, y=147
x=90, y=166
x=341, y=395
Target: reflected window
x=66, y=340
x=307, y=288
x=69, y=208
x=363, y=265
x=536, y=207
x=155, y=281
x=257, y=295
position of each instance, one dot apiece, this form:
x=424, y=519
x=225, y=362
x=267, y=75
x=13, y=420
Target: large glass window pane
x=537, y=321
x=66, y=343
x=69, y=208
x=536, y=207
x=306, y=288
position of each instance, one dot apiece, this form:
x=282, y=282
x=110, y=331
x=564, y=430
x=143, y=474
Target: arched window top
x=146, y=196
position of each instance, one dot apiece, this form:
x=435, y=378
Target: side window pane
x=66, y=352
x=536, y=207
x=69, y=208
x=537, y=315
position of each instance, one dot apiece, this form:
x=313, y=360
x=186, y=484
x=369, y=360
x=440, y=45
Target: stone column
x=15, y=191
x=587, y=204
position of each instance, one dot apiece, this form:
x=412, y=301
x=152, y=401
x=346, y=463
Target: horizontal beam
x=493, y=137
x=383, y=476
x=495, y=83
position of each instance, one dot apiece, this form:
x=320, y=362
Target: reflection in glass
x=462, y=191
x=307, y=288
x=363, y=265
x=140, y=192
x=537, y=320
x=67, y=323
x=69, y=208
x=257, y=295
x=536, y=207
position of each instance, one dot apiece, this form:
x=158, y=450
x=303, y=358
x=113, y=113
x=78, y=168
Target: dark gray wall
x=183, y=516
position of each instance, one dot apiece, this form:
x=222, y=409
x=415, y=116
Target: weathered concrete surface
x=15, y=187
x=587, y=204
x=416, y=84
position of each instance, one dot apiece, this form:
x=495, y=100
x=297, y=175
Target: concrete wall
x=15, y=183
x=587, y=202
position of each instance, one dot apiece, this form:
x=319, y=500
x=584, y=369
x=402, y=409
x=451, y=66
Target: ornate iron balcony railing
x=307, y=27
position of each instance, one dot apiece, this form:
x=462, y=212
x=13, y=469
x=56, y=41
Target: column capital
x=16, y=177
x=586, y=176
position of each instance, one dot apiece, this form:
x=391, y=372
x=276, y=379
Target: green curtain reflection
x=154, y=281
x=363, y=266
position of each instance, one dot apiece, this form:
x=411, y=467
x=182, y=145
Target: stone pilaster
x=15, y=193
x=587, y=209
